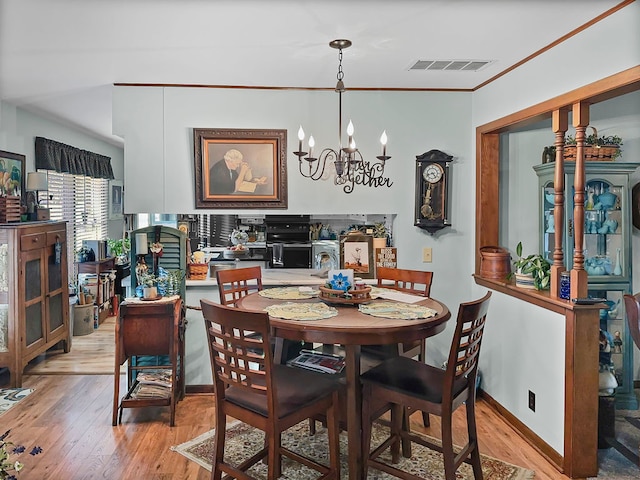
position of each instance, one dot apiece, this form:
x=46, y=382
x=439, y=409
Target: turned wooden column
x=578, y=273
x=560, y=122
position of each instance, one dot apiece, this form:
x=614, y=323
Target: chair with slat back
x=248, y=386
x=400, y=382
x=632, y=309
x=416, y=282
x=235, y=283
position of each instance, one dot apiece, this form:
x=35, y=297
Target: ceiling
x=60, y=58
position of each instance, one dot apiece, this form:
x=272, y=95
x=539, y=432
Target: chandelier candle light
x=350, y=166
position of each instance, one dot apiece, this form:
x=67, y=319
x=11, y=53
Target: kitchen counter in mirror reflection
x=271, y=277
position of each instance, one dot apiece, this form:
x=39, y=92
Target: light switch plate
x=426, y=255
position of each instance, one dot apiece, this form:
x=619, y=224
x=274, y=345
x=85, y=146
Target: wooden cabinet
x=34, y=293
x=155, y=330
x=607, y=253
x=104, y=286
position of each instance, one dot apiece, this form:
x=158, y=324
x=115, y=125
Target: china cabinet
x=34, y=293
x=607, y=253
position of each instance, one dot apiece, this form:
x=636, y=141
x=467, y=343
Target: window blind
x=83, y=203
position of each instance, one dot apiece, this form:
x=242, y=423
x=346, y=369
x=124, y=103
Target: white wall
x=157, y=125
x=513, y=364
x=19, y=129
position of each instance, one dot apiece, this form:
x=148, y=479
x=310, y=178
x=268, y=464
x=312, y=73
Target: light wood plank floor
x=69, y=415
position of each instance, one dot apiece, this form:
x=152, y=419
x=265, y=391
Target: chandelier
x=350, y=167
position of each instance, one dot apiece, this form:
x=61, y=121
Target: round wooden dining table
x=352, y=329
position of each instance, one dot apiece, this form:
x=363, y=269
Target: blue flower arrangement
x=340, y=282
x=6, y=464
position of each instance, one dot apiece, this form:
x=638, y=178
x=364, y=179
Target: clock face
x=433, y=172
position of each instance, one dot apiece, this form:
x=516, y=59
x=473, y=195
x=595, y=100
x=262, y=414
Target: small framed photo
x=12, y=169
x=356, y=253
x=240, y=168
x=116, y=205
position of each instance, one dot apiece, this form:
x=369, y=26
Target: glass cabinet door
x=616, y=345
x=34, y=296
x=604, y=248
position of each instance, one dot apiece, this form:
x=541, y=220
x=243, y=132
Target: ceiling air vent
x=450, y=65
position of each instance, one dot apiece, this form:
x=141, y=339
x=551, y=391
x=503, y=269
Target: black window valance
x=52, y=155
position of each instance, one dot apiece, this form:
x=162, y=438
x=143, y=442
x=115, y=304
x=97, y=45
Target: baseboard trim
x=198, y=389
x=525, y=432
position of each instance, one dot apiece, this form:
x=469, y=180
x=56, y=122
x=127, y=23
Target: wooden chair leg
x=333, y=432
x=218, y=445
x=397, y=420
x=473, y=438
x=425, y=419
x=366, y=428
x=447, y=447
x=406, y=443
x=274, y=457
x=312, y=426
x=116, y=394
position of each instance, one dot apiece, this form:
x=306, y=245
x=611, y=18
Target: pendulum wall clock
x=432, y=196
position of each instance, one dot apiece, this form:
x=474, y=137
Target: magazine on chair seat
x=318, y=362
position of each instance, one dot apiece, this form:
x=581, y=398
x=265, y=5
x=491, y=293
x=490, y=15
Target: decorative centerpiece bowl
x=348, y=297
x=239, y=237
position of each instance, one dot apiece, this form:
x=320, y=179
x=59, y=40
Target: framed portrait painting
x=116, y=200
x=12, y=181
x=240, y=168
x=356, y=253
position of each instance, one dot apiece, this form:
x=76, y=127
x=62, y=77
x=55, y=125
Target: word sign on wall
x=386, y=257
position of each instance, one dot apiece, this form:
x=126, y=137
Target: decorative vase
x=150, y=292
x=618, y=268
x=495, y=263
x=379, y=242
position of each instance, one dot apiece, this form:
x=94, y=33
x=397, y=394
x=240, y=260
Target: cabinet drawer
x=32, y=241
x=59, y=235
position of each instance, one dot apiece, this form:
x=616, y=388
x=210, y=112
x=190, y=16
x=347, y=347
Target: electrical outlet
x=426, y=255
x=532, y=401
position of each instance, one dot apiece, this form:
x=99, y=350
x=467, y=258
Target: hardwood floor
x=69, y=416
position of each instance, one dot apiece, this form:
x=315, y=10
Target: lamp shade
x=142, y=245
x=37, y=181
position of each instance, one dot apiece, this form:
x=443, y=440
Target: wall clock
x=432, y=196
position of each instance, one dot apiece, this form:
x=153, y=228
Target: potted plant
x=149, y=284
x=379, y=235
x=532, y=271
x=597, y=147
x=119, y=248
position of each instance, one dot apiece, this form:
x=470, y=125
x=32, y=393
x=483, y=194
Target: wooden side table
x=149, y=328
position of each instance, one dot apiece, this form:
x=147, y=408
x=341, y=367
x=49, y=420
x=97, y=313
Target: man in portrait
x=232, y=174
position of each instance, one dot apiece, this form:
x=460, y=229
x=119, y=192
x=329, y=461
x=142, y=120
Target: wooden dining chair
x=632, y=309
x=248, y=386
x=400, y=382
x=416, y=282
x=235, y=283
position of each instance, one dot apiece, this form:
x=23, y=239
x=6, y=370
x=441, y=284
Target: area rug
x=242, y=441
x=11, y=396
x=621, y=460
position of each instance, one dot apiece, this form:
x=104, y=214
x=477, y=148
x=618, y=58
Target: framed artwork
x=240, y=168
x=116, y=200
x=12, y=181
x=356, y=253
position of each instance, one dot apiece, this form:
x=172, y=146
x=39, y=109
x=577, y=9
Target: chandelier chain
x=340, y=72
